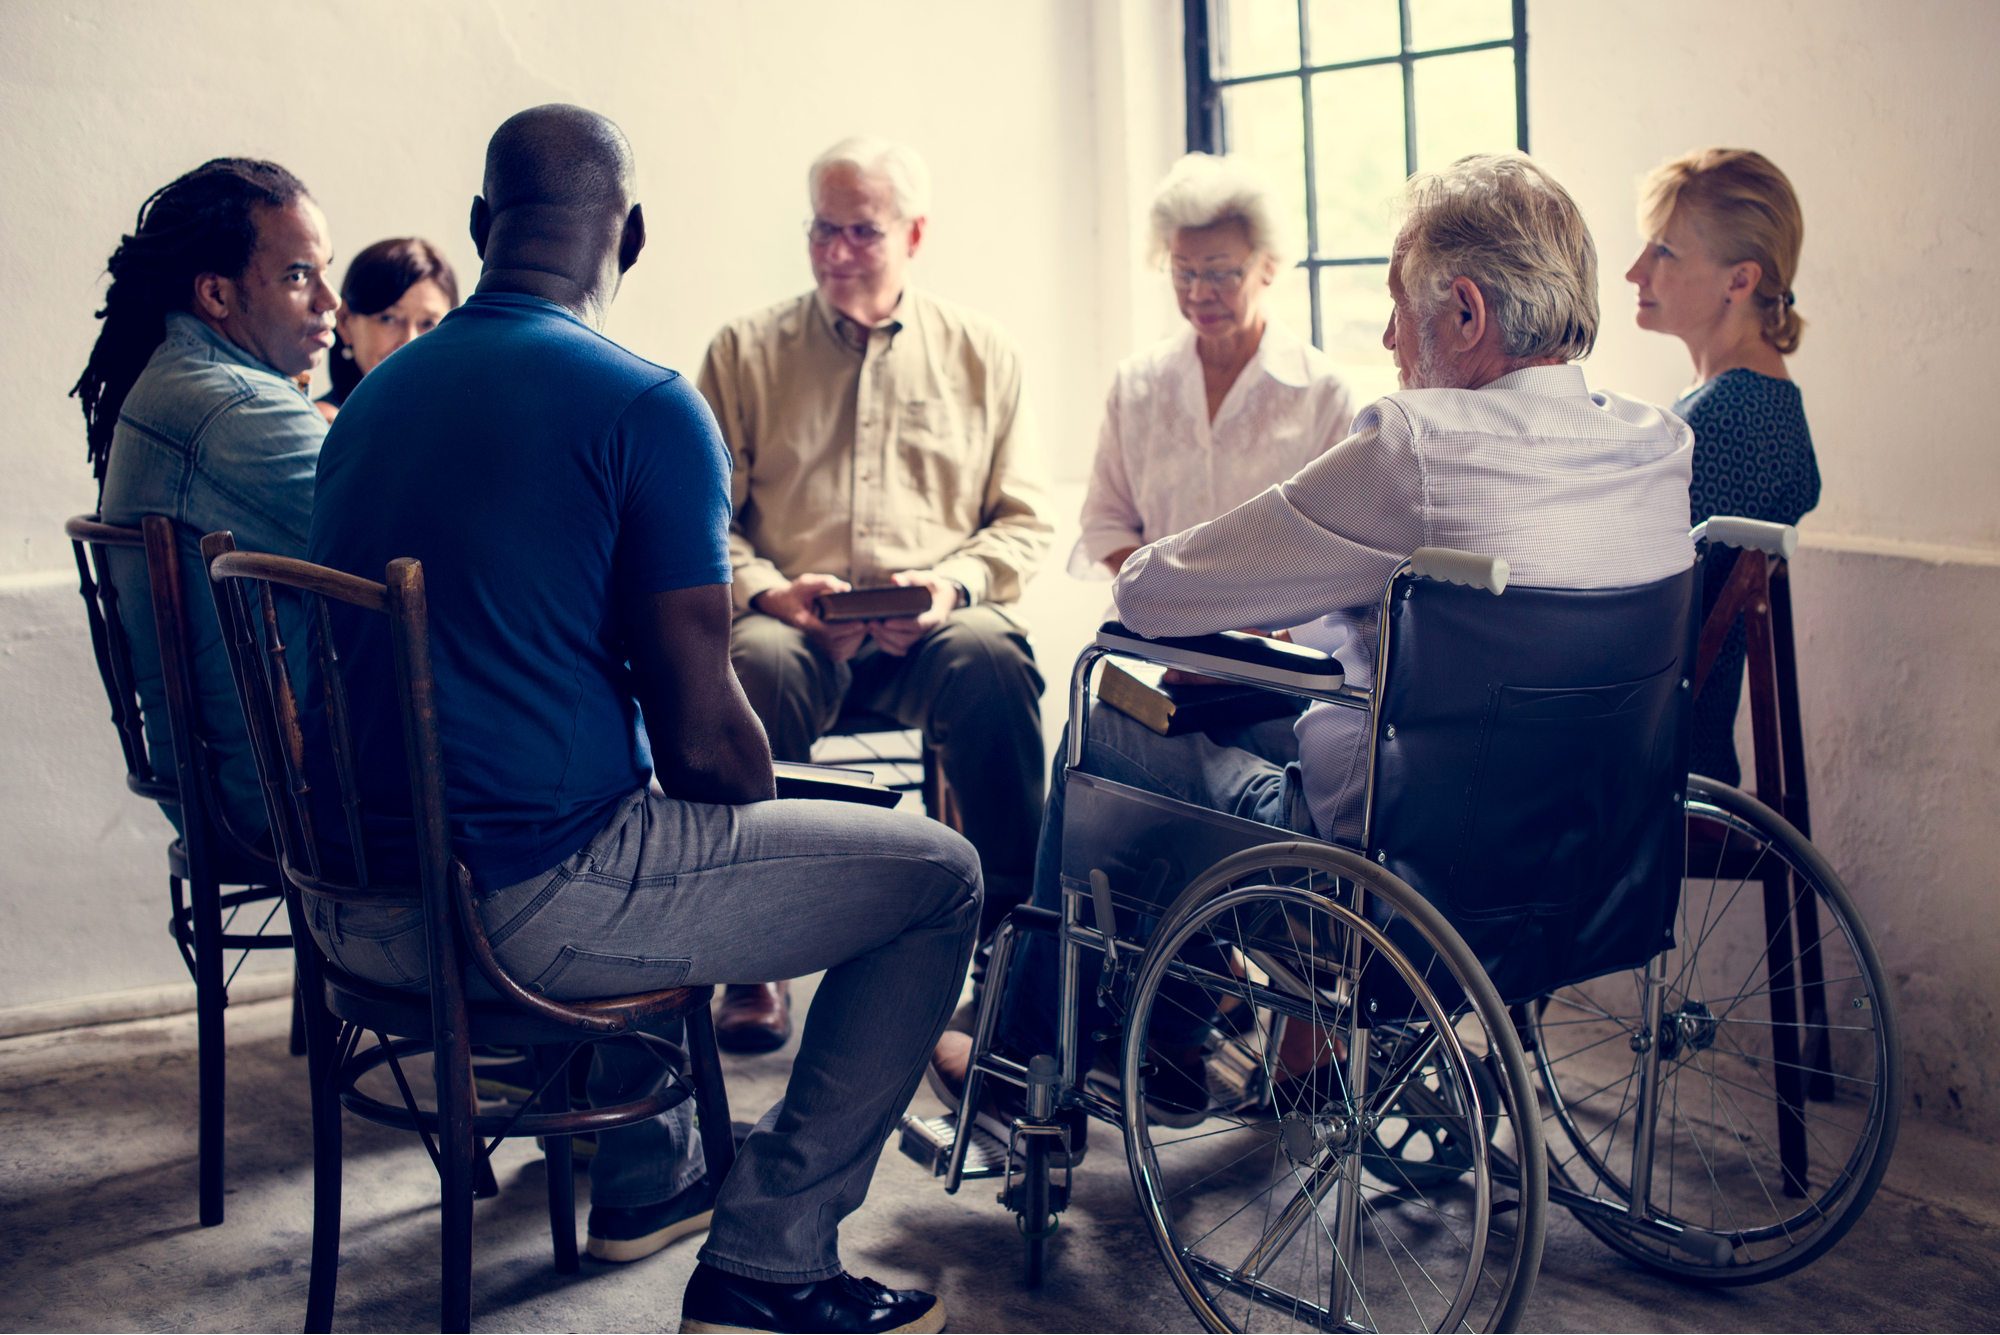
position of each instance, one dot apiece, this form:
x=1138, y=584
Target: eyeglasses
x=861, y=236
x=1222, y=282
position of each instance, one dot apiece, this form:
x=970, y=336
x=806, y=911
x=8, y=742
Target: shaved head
x=557, y=218
x=562, y=157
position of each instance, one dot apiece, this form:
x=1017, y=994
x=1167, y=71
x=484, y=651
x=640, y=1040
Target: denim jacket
x=214, y=439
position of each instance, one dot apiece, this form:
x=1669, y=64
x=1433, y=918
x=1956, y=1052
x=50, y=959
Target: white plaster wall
x=384, y=110
x=1884, y=115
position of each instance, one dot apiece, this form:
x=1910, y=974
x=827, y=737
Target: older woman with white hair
x=1207, y=419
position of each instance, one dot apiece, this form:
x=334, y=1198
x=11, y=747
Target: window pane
x=1263, y=122
x=1436, y=24
x=1358, y=139
x=1465, y=104
x=1254, y=36
x=1354, y=308
x=1344, y=30
x=1289, y=301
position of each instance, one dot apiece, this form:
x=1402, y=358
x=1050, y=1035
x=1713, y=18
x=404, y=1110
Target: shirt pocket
x=943, y=454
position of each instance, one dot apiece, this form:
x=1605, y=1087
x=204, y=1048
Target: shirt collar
x=851, y=333
x=196, y=330
x=1555, y=382
x=1280, y=354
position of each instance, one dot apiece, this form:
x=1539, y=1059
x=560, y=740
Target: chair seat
x=856, y=721
x=404, y=1014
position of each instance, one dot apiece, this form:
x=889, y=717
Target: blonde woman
x=1723, y=231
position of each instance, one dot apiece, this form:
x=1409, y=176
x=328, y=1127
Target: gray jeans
x=672, y=893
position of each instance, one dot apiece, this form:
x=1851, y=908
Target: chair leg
x=322, y=1036
x=209, y=999
x=457, y=1163
x=711, y=1097
x=298, y=1013
x=559, y=1161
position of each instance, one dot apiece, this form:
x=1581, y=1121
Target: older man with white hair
x=880, y=437
x=1494, y=445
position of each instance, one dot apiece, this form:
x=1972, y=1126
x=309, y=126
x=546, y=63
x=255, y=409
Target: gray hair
x=1503, y=222
x=906, y=173
x=1201, y=191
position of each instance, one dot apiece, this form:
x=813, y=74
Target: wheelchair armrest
x=1755, y=534
x=1252, y=659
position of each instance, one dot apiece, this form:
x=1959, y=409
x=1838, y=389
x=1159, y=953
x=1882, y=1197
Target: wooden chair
x=862, y=729
x=209, y=854
x=1759, y=592
x=342, y=1008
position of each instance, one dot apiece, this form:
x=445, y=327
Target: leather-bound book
x=1172, y=710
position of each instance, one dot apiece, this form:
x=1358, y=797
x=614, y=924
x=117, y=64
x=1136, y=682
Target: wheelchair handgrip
x=1456, y=567
x=1232, y=654
x=1755, y=534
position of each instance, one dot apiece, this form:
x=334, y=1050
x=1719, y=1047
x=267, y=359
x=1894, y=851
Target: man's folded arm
x=1324, y=541
x=707, y=744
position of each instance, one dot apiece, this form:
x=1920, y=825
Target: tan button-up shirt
x=863, y=452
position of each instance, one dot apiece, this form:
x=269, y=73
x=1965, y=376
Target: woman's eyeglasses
x=1222, y=282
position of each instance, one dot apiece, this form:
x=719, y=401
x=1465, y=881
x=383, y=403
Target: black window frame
x=1204, y=109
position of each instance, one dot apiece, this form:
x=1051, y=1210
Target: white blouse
x=1163, y=467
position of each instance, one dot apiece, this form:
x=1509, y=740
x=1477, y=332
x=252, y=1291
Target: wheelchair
x=1559, y=970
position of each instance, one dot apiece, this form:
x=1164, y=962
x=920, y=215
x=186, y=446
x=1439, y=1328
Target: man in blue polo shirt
x=570, y=505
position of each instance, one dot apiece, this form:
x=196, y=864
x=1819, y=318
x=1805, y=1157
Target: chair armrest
x=1754, y=534
x=1252, y=659
x=1455, y=567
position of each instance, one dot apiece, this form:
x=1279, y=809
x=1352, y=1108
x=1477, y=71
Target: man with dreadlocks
x=218, y=302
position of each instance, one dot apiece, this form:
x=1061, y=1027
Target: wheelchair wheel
x=1780, y=1068
x=1285, y=1209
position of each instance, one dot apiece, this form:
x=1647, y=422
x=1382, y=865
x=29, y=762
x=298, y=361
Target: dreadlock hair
x=204, y=222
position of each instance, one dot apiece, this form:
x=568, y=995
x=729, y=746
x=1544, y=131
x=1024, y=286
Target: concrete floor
x=97, y=1230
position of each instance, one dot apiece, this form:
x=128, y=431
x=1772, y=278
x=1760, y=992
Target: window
x=1340, y=101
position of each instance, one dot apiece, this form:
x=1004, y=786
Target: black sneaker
x=626, y=1234
x=719, y=1301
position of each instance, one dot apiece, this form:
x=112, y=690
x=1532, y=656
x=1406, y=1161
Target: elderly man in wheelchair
x=1324, y=984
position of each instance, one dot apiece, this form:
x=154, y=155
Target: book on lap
x=835, y=783
x=1136, y=689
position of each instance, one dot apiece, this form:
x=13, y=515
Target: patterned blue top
x=1753, y=456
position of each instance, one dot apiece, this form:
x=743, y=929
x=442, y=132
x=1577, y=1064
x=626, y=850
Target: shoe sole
x=1177, y=1116
x=621, y=1250
x=992, y=1125
x=927, y=1324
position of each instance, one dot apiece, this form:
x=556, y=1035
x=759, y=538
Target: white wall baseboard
x=132, y=1003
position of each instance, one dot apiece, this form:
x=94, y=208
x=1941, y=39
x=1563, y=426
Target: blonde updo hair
x=1202, y=190
x=1745, y=209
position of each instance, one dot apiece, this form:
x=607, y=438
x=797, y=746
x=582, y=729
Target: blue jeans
x=1193, y=768
x=675, y=893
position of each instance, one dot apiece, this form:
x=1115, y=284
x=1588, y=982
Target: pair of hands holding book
x=796, y=604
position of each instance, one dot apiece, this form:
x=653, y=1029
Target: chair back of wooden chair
x=90, y=541
x=1759, y=591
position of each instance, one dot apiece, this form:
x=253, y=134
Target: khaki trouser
x=971, y=687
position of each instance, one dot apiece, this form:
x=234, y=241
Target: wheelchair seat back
x=1530, y=769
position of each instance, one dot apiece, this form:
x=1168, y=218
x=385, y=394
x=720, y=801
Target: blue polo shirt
x=539, y=472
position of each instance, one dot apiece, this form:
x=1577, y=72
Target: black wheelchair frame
x=1386, y=1129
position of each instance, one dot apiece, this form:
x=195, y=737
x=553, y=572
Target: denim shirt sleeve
x=253, y=469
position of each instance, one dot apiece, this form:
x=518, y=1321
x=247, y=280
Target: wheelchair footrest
x=928, y=1140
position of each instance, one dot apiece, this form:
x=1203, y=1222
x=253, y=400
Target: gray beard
x=1434, y=370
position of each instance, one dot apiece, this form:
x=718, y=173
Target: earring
x=346, y=353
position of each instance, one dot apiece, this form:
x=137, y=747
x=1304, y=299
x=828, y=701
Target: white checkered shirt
x=1572, y=489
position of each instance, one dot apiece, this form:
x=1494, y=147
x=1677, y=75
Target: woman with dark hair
x=219, y=302
x=394, y=291
x=1723, y=232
